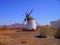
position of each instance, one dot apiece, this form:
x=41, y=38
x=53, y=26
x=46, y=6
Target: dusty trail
x=25, y=38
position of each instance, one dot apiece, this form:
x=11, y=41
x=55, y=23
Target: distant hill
x=16, y=25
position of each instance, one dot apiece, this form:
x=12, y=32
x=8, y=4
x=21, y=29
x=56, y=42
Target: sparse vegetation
x=2, y=43
x=42, y=32
x=48, y=30
x=24, y=37
x=23, y=42
x=4, y=28
x=57, y=34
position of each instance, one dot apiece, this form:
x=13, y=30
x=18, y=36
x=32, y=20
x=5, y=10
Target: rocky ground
x=25, y=38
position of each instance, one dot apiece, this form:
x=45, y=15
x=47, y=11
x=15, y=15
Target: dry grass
x=11, y=37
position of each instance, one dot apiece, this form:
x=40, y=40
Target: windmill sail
x=30, y=12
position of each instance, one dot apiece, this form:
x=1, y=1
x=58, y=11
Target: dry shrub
x=2, y=43
x=43, y=31
x=48, y=30
x=3, y=28
x=51, y=30
x=23, y=42
x=57, y=34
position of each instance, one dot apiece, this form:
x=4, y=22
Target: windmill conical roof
x=30, y=18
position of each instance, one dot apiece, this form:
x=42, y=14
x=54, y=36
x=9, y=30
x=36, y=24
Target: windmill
x=30, y=22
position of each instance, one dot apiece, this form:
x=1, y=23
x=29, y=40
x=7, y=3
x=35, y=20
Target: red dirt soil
x=7, y=31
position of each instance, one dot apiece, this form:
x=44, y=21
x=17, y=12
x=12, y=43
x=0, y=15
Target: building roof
x=30, y=18
x=57, y=21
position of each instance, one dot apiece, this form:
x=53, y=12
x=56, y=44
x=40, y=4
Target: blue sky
x=44, y=11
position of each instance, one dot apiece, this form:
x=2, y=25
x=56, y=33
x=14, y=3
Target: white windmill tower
x=30, y=22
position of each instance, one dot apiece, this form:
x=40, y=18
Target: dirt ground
x=11, y=37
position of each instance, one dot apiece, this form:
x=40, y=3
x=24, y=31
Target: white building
x=31, y=23
x=55, y=23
